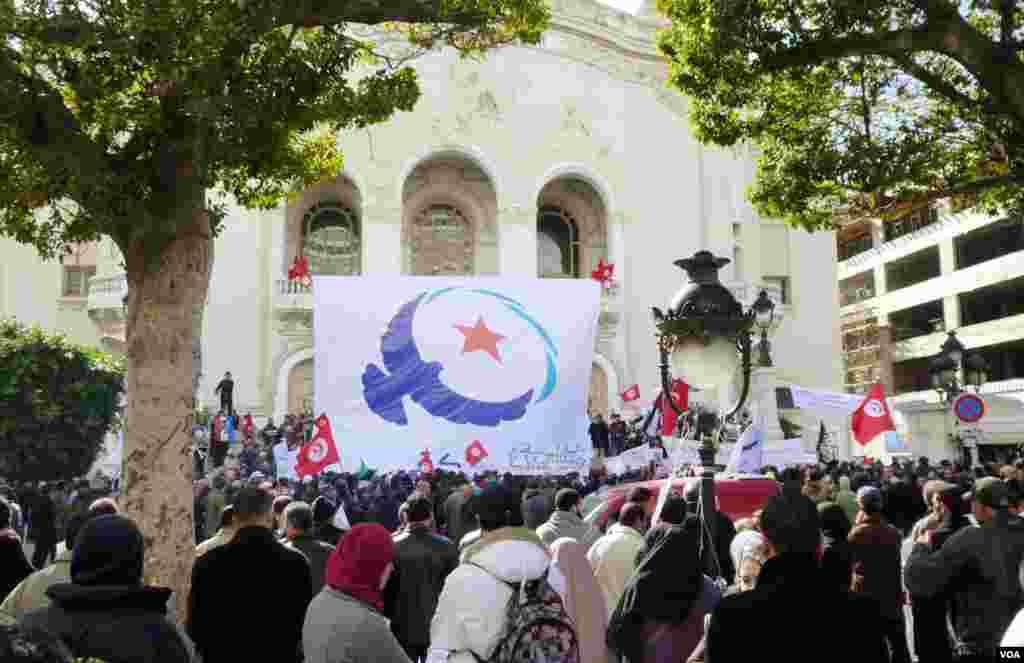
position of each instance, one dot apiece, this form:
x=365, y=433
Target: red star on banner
x=603, y=273
x=479, y=337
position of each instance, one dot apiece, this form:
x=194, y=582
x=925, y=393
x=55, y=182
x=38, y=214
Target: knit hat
x=992, y=492
x=108, y=551
x=357, y=565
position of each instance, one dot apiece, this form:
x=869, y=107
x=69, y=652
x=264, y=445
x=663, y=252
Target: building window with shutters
x=441, y=242
x=330, y=239
x=558, y=245
x=76, y=280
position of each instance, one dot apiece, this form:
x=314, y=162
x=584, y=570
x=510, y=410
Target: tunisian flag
x=320, y=451
x=681, y=396
x=631, y=394
x=872, y=416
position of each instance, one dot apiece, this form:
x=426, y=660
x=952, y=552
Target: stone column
x=763, y=405
x=517, y=239
x=382, y=239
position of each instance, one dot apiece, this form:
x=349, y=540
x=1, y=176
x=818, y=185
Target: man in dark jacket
x=423, y=560
x=226, y=585
x=14, y=566
x=226, y=389
x=725, y=532
x=458, y=512
x=599, y=435
x=105, y=613
x=298, y=520
x=875, y=547
x=791, y=598
x=979, y=567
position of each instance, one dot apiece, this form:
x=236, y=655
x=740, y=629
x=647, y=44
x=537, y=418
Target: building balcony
x=975, y=337
x=106, y=297
x=293, y=305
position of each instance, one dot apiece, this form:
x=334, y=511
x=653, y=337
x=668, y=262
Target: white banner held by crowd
x=491, y=369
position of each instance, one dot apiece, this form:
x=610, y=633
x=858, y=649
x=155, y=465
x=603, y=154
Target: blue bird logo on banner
x=406, y=373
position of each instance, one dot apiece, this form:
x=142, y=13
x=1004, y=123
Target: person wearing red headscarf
x=344, y=622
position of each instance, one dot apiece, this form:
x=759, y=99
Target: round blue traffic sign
x=969, y=408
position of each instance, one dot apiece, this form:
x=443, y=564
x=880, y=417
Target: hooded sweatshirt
x=472, y=608
x=846, y=499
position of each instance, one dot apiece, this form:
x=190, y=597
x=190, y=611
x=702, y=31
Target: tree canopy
x=870, y=108
x=117, y=109
x=57, y=402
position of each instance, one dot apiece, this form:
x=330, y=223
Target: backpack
x=537, y=627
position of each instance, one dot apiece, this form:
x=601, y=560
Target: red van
x=738, y=497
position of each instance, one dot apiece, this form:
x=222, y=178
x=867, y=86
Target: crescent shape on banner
x=408, y=375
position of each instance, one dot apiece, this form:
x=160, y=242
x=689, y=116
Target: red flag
x=872, y=416
x=475, y=453
x=604, y=273
x=681, y=396
x=299, y=271
x=247, y=426
x=218, y=427
x=320, y=451
x=631, y=394
x=426, y=464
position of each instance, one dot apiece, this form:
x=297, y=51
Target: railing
x=108, y=285
x=289, y=287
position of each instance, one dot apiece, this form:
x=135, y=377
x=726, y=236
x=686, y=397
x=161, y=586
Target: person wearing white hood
x=472, y=609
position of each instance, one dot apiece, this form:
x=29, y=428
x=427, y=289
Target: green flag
x=364, y=472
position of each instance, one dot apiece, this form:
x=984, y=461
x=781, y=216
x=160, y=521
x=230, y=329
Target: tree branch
x=983, y=183
x=41, y=119
x=370, y=12
x=893, y=43
x=934, y=81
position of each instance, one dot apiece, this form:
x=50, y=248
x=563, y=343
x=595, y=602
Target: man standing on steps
x=226, y=389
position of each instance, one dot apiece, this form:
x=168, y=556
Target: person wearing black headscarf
x=106, y=612
x=660, y=615
x=836, y=561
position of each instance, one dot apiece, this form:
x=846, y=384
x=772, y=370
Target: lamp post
x=955, y=370
x=704, y=337
x=764, y=316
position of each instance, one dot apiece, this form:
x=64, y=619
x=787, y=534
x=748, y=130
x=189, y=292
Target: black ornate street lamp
x=956, y=370
x=703, y=338
x=764, y=316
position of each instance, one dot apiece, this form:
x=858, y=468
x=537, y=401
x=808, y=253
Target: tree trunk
x=156, y=475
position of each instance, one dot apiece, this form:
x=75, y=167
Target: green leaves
x=846, y=98
x=57, y=402
x=131, y=108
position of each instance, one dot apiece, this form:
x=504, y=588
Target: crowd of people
x=409, y=567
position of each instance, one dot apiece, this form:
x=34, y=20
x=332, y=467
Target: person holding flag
x=871, y=420
x=319, y=452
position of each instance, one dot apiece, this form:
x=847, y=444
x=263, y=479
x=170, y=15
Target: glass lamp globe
x=705, y=366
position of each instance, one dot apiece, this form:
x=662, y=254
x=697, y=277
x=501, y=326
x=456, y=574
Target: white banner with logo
x=443, y=370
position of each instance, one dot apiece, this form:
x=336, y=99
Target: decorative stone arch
x=611, y=378
x=585, y=198
x=452, y=179
x=583, y=172
x=344, y=190
x=449, y=151
x=284, y=372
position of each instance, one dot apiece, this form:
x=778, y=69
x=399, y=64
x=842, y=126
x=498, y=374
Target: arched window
x=558, y=245
x=441, y=242
x=330, y=239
